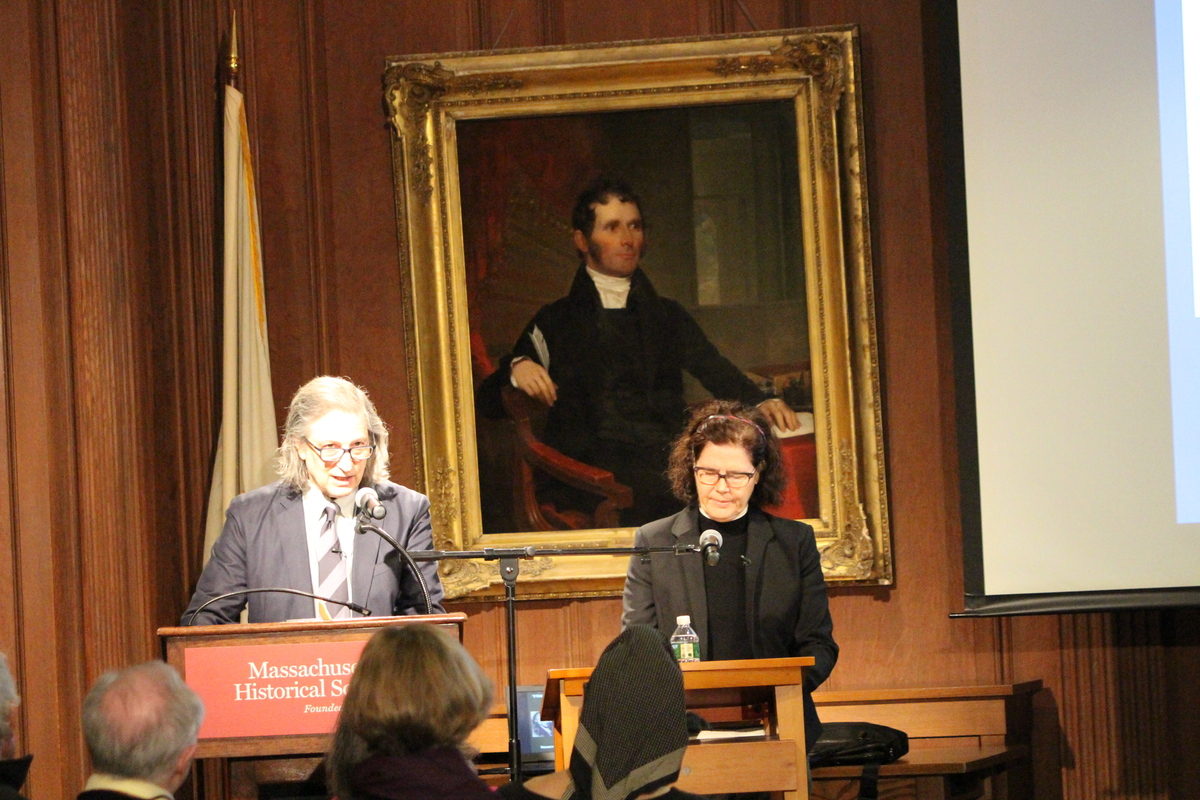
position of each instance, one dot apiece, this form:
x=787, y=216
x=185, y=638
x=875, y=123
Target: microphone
x=710, y=545
x=366, y=501
x=363, y=525
x=355, y=607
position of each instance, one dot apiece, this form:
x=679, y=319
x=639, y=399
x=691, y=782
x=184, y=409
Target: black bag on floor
x=854, y=743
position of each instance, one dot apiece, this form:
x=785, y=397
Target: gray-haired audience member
x=140, y=724
x=12, y=770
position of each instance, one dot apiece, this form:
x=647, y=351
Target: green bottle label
x=685, y=651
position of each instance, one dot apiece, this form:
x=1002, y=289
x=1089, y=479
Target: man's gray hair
x=9, y=699
x=314, y=400
x=138, y=720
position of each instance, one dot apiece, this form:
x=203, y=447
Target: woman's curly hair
x=728, y=422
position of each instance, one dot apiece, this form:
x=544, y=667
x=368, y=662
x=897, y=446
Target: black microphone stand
x=510, y=568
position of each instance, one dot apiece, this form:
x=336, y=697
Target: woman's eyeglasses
x=734, y=480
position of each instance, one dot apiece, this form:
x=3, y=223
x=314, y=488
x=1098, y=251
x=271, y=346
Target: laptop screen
x=537, y=737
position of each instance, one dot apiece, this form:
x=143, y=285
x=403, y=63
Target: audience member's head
x=9, y=700
x=141, y=722
x=415, y=688
x=633, y=727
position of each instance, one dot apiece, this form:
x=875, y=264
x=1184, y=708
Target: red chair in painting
x=534, y=461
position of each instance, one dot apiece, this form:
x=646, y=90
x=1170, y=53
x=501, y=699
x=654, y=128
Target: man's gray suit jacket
x=264, y=545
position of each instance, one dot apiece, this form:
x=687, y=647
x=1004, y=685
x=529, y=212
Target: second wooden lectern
x=774, y=762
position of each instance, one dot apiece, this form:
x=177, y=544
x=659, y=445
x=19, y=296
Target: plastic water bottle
x=684, y=641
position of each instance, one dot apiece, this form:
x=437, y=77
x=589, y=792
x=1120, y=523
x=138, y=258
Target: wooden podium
x=271, y=691
x=769, y=689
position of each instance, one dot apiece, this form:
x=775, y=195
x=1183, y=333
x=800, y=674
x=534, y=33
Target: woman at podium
x=759, y=593
x=290, y=550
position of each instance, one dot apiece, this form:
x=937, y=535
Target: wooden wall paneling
x=565, y=633
x=1141, y=702
x=329, y=236
x=190, y=163
x=112, y=442
x=312, y=94
x=1182, y=727
x=364, y=258
x=8, y=520
x=42, y=615
x=540, y=639
x=142, y=224
x=18, y=250
x=1088, y=724
x=1029, y=649
x=168, y=250
x=947, y=220
x=518, y=23
x=748, y=16
x=586, y=21
x=600, y=620
x=546, y=630
x=1111, y=697
x=550, y=634
x=483, y=636
x=277, y=80
x=531, y=23
x=96, y=567
x=951, y=298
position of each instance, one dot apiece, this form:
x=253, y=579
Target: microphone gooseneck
x=355, y=607
x=365, y=525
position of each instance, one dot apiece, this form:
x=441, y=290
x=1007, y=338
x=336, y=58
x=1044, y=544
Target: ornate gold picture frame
x=432, y=100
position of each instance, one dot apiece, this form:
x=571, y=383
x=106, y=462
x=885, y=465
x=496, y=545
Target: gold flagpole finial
x=233, y=50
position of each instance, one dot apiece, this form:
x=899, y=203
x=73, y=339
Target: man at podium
x=300, y=533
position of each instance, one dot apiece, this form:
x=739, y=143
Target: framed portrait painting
x=746, y=156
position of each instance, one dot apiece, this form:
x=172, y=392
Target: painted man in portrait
x=608, y=359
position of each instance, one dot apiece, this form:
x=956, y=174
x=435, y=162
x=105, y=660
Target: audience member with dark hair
x=12, y=770
x=140, y=725
x=632, y=729
x=765, y=597
x=415, y=696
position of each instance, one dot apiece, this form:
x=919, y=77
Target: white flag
x=248, y=436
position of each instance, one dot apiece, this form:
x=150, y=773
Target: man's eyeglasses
x=331, y=455
x=734, y=480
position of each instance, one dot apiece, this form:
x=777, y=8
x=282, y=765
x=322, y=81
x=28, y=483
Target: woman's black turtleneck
x=725, y=591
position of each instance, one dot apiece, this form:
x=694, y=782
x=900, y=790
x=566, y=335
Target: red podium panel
x=274, y=689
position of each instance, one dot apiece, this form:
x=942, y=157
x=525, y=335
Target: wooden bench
x=964, y=742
